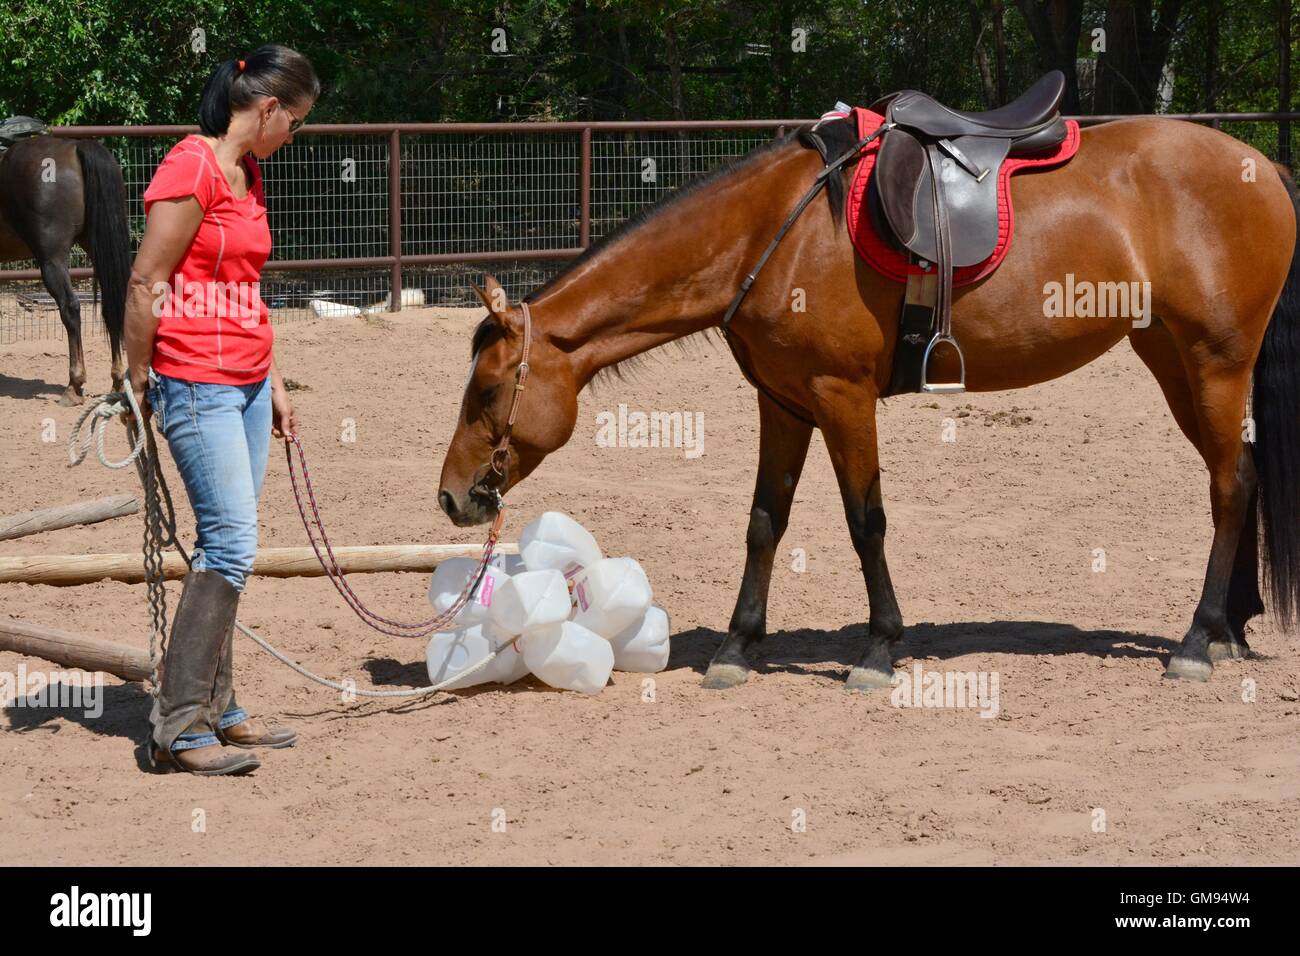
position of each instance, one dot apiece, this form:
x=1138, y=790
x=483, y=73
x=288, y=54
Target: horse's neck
x=668, y=278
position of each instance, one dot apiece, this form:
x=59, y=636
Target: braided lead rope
x=99, y=412
x=338, y=578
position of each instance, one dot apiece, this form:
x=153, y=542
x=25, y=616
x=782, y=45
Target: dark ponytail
x=272, y=69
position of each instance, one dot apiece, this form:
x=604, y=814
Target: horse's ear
x=494, y=297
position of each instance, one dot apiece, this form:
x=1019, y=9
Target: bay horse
x=54, y=192
x=1144, y=199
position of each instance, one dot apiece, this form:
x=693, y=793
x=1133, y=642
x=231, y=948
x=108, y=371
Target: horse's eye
x=488, y=394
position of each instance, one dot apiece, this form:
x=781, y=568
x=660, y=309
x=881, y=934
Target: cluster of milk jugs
x=577, y=614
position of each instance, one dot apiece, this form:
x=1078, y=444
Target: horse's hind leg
x=782, y=449
x=1218, y=380
x=1157, y=349
x=57, y=278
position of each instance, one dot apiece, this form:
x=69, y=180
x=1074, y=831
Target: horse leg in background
x=119, y=358
x=1217, y=387
x=782, y=450
x=57, y=278
x=849, y=429
x=1157, y=349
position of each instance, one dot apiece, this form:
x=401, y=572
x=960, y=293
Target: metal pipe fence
x=361, y=212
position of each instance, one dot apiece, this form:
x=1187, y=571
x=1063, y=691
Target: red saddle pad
x=894, y=265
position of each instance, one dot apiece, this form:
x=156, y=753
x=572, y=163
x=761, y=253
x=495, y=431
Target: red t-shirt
x=213, y=325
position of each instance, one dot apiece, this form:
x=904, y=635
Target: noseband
x=499, y=462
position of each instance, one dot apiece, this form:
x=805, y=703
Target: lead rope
x=337, y=577
x=144, y=454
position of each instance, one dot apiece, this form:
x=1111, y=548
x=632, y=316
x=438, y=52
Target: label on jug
x=577, y=588
x=485, y=590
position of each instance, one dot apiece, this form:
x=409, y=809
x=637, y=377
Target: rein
x=831, y=166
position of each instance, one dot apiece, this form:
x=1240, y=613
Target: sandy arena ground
x=991, y=543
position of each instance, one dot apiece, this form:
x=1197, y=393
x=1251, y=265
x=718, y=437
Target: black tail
x=105, y=233
x=1276, y=410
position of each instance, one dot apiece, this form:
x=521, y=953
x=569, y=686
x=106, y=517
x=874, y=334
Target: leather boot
x=181, y=718
x=233, y=725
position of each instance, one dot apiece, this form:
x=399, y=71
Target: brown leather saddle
x=934, y=189
x=968, y=149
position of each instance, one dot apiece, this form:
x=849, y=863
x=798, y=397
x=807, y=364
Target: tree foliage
x=120, y=61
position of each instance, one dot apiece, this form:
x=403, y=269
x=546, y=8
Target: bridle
x=499, y=461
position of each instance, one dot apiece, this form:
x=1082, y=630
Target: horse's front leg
x=782, y=449
x=849, y=428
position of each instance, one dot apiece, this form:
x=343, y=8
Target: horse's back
x=33, y=200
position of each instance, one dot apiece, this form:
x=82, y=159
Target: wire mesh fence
x=460, y=195
x=464, y=195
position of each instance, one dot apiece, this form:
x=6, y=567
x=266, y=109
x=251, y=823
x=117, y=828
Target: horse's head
x=547, y=411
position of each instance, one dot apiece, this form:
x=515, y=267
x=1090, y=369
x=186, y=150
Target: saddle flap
x=906, y=195
x=902, y=172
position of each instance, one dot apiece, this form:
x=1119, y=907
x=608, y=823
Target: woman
x=198, y=344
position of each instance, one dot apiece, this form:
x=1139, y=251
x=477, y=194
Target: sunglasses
x=294, y=123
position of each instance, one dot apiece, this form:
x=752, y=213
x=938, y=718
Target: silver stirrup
x=943, y=388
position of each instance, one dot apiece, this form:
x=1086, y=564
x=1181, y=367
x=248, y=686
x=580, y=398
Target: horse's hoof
x=868, y=678
x=722, y=676
x=1189, y=668
x=71, y=397
x=1228, y=650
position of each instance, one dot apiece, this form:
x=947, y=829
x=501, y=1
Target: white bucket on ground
x=568, y=656
x=642, y=647
x=555, y=541
x=449, y=579
x=611, y=595
x=410, y=297
x=332, y=310
x=453, y=652
x=530, y=599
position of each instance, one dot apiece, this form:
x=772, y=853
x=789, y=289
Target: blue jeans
x=219, y=437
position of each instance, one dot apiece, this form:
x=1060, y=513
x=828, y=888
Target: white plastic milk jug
x=450, y=578
x=530, y=599
x=611, y=596
x=569, y=656
x=453, y=652
x=642, y=647
x=555, y=541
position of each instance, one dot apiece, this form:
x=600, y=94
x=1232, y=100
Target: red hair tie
x=241, y=66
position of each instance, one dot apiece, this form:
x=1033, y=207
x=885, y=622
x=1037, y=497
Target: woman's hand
x=141, y=390
x=284, y=420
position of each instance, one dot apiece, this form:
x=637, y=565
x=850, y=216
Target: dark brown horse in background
x=54, y=192
x=1144, y=199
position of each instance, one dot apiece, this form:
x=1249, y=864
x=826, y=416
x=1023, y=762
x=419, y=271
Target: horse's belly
x=11, y=247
